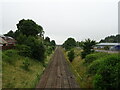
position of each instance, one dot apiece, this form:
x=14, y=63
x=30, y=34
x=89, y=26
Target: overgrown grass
x=19, y=71
x=89, y=73
x=79, y=70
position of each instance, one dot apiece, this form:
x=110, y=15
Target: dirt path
x=57, y=74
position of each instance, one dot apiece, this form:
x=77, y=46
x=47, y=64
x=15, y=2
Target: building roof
x=108, y=44
x=7, y=39
x=2, y=41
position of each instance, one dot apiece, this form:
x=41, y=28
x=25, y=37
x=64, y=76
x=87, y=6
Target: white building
x=103, y=45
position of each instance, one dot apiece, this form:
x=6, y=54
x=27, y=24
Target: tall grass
x=97, y=70
x=19, y=71
x=79, y=69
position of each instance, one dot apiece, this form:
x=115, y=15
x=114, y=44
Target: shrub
x=5, y=58
x=24, y=50
x=108, y=73
x=9, y=56
x=71, y=55
x=87, y=47
x=69, y=44
x=37, y=48
x=38, y=51
x=92, y=57
x=94, y=66
x=106, y=48
x=49, y=50
x=26, y=64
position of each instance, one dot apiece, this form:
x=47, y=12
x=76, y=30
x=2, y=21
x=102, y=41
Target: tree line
x=86, y=45
x=111, y=39
x=30, y=40
x=102, y=68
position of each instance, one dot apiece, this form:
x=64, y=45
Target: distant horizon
x=72, y=37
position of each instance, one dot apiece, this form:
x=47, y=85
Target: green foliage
x=24, y=50
x=69, y=43
x=29, y=28
x=106, y=47
x=26, y=64
x=87, y=47
x=94, y=56
x=30, y=40
x=47, y=39
x=37, y=48
x=106, y=71
x=53, y=43
x=9, y=55
x=10, y=33
x=21, y=72
x=71, y=55
x=21, y=39
x=94, y=66
x=111, y=39
x=49, y=50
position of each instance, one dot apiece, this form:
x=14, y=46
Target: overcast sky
x=80, y=19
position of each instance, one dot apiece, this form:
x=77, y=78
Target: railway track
x=57, y=74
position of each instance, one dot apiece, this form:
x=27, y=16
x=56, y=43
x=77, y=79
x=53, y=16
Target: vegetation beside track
x=23, y=66
x=20, y=71
x=97, y=70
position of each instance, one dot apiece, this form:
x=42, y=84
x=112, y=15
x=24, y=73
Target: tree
x=21, y=39
x=47, y=39
x=10, y=33
x=69, y=43
x=53, y=43
x=37, y=48
x=29, y=28
x=71, y=55
x=111, y=39
x=87, y=47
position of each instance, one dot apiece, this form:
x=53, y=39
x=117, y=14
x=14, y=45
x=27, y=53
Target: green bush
x=37, y=48
x=5, y=58
x=26, y=64
x=9, y=56
x=69, y=44
x=24, y=50
x=106, y=48
x=94, y=66
x=49, y=50
x=108, y=75
x=71, y=55
x=92, y=57
x=87, y=46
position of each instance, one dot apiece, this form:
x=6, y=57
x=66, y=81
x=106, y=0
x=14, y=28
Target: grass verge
x=15, y=76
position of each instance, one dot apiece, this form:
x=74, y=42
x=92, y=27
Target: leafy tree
x=24, y=50
x=108, y=73
x=21, y=39
x=47, y=39
x=29, y=27
x=87, y=47
x=53, y=43
x=10, y=33
x=111, y=39
x=69, y=43
x=37, y=48
x=71, y=55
